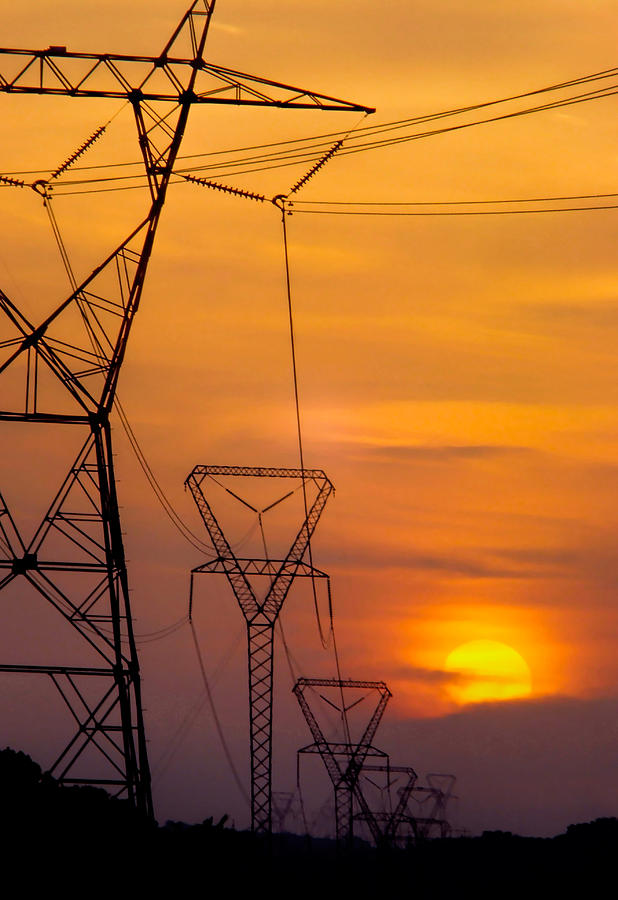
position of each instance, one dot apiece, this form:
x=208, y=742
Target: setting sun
x=487, y=670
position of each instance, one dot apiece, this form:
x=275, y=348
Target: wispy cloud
x=380, y=557
x=439, y=452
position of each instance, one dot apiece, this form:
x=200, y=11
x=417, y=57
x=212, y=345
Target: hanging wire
x=311, y=148
x=452, y=213
x=145, y=466
x=298, y=419
x=174, y=744
x=215, y=715
x=158, y=491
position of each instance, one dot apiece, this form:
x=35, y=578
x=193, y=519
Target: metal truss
x=283, y=807
x=431, y=801
x=343, y=760
x=385, y=823
x=65, y=369
x=260, y=614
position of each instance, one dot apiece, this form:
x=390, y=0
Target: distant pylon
x=64, y=371
x=392, y=813
x=345, y=755
x=429, y=818
x=261, y=613
x=283, y=807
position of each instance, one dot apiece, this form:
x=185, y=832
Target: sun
x=485, y=671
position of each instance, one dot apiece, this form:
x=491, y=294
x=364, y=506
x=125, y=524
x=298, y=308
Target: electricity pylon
x=344, y=757
x=64, y=371
x=283, y=807
x=431, y=800
x=385, y=823
x=260, y=614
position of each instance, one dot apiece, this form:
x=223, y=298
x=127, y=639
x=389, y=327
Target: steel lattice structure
x=75, y=561
x=385, y=824
x=344, y=760
x=260, y=614
x=432, y=800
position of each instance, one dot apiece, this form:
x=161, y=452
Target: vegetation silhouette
x=52, y=834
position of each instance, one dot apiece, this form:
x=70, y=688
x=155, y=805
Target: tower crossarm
x=343, y=749
x=253, y=566
x=63, y=72
x=256, y=472
x=135, y=77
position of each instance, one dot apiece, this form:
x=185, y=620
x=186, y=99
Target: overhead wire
x=160, y=494
x=165, y=503
x=454, y=214
x=451, y=202
x=282, y=205
x=297, y=412
x=158, y=491
x=310, y=148
x=182, y=730
x=228, y=755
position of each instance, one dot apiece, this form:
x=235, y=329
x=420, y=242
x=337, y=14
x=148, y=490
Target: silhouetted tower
x=429, y=818
x=283, y=807
x=261, y=613
x=64, y=371
x=345, y=756
x=394, y=792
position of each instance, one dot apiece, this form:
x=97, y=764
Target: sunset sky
x=458, y=383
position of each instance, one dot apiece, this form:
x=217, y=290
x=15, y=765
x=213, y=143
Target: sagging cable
x=226, y=188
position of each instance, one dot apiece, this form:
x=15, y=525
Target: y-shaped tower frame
x=385, y=824
x=76, y=560
x=432, y=799
x=260, y=615
x=343, y=760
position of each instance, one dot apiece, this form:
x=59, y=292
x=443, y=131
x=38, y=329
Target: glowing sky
x=458, y=376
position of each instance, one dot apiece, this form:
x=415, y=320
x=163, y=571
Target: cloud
x=531, y=766
x=440, y=452
x=381, y=557
x=425, y=676
x=440, y=677
x=228, y=29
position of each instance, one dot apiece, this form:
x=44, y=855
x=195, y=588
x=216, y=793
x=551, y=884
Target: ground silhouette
x=66, y=837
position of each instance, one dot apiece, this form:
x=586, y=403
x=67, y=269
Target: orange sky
x=458, y=376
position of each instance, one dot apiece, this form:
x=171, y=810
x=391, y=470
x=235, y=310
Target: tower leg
x=260, y=637
x=343, y=815
x=126, y=665
x=75, y=562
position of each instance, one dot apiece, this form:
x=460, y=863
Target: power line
x=447, y=202
x=307, y=150
x=158, y=491
x=495, y=212
x=215, y=715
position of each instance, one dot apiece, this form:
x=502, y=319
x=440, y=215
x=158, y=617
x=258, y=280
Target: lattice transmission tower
x=389, y=809
x=64, y=371
x=260, y=610
x=427, y=807
x=344, y=749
